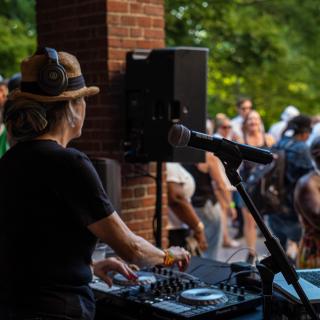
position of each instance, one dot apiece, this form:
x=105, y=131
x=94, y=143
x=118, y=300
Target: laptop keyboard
x=312, y=276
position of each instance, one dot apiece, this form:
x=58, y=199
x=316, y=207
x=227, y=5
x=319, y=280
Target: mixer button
x=235, y=289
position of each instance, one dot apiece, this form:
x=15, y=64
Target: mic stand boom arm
x=277, y=261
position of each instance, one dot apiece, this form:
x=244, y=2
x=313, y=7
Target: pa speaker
x=109, y=172
x=164, y=87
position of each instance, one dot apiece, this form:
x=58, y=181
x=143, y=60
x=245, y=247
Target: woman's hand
x=181, y=257
x=102, y=267
x=201, y=238
x=232, y=213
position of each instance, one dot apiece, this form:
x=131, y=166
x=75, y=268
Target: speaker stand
x=158, y=213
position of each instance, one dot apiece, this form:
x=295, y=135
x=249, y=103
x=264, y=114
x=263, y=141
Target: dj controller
x=161, y=293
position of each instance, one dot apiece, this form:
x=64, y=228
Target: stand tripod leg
x=267, y=276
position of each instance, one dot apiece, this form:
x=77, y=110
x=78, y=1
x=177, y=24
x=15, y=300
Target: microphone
x=180, y=136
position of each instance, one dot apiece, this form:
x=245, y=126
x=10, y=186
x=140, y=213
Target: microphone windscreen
x=179, y=135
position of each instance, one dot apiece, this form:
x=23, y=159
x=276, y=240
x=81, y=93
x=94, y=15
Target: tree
x=17, y=33
x=262, y=48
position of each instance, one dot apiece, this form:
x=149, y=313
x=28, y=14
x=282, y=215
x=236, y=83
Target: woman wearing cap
x=52, y=204
x=307, y=204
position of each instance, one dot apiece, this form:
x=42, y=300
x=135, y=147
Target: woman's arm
x=222, y=193
x=130, y=247
x=181, y=206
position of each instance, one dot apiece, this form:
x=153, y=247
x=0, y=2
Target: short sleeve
x=82, y=190
x=173, y=173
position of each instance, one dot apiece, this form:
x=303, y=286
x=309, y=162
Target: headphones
x=52, y=77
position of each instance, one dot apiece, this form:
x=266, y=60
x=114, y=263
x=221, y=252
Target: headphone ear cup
x=52, y=79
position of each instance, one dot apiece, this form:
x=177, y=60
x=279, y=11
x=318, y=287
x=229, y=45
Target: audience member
x=254, y=135
x=307, y=205
x=182, y=216
x=4, y=145
x=244, y=106
x=277, y=129
x=209, y=199
x=314, y=133
x=285, y=225
x=223, y=130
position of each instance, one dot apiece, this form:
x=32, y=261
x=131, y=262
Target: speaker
x=163, y=87
x=109, y=172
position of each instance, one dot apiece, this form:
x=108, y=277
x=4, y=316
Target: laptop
x=309, y=280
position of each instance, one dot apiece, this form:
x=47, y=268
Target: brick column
x=99, y=33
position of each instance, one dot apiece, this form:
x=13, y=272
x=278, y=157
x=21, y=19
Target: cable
x=233, y=275
x=242, y=272
x=241, y=249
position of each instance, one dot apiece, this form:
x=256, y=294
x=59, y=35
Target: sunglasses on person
x=246, y=108
x=225, y=127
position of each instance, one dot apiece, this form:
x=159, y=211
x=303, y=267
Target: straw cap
x=30, y=88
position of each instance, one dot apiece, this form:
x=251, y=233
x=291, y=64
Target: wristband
x=168, y=259
x=232, y=205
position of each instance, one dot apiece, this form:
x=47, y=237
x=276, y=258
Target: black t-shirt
x=48, y=197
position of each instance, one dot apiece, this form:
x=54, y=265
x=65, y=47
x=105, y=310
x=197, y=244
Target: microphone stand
x=277, y=261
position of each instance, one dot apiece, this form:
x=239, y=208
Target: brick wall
x=99, y=33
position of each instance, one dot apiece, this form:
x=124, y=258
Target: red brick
x=158, y=23
x=152, y=190
x=154, y=34
x=117, y=6
x=139, y=192
x=153, y=10
x=145, y=22
x=136, y=32
x=127, y=193
x=147, y=202
x=116, y=65
x=118, y=31
x=128, y=21
x=113, y=19
x=136, y=8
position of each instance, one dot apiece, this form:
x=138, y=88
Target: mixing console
x=161, y=293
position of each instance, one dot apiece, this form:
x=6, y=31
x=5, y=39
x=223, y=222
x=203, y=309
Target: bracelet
x=199, y=227
x=232, y=205
x=168, y=259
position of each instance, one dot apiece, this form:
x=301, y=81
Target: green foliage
x=17, y=33
x=261, y=48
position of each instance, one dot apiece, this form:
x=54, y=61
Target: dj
x=52, y=204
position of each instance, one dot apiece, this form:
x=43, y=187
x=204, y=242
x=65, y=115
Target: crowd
x=51, y=192
x=216, y=205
